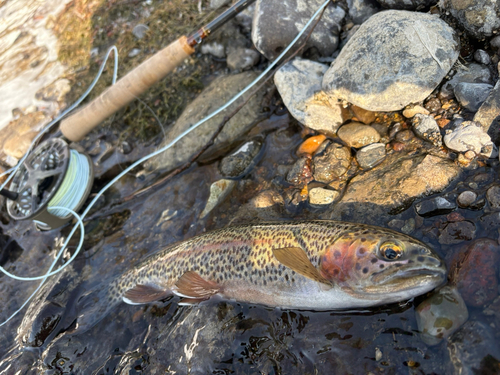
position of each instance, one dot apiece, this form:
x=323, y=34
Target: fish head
x=382, y=265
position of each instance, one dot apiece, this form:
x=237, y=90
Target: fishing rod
x=55, y=174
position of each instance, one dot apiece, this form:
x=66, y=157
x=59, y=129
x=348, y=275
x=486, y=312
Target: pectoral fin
x=141, y=294
x=296, y=259
x=192, y=285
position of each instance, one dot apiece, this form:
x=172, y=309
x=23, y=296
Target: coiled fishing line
x=140, y=161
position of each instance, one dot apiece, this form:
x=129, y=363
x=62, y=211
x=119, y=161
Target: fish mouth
x=392, y=277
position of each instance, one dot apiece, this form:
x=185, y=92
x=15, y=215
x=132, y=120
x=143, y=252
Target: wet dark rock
x=472, y=95
x=368, y=71
x=301, y=172
x=482, y=57
x=404, y=136
x=361, y=10
x=140, y=31
x=493, y=196
x=469, y=136
x=488, y=113
x=495, y=42
x=215, y=95
x=434, y=206
x=331, y=163
x=466, y=198
x=371, y=155
x=480, y=19
x=238, y=163
x=457, y=232
x=366, y=117
x=276, y=23
x=320, y=196
x=478, y=205
x=427, y=128
x=476, y=278
x=440, y=315
x=433, y=105
x=470, y=73
x=382, y=129
x=358, y=135
x=474, y=349
x=299, y=84
x=400, y=179
x=242, y=58
x=407, y=4
x=125, y=148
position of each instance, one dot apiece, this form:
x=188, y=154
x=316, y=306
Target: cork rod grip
x=79, y=124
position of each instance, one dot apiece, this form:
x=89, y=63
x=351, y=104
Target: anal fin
x=192, y=286
x=141, y=294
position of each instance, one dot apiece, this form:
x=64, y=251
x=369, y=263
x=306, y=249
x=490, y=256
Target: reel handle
x=78, y=125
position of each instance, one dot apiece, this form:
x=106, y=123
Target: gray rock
x=469, y=135
x=276, y=23
x=215, y=95
x=495, y=42
x=242, y=58
x=427, y=128
x=245, y=18
x=493, y=196
x=140, y=31
x=466, y=198
x=300, y=173
x=213, y=48
x=473, y=349
x=357, y=135
x=361, y=10
x=331, y=163
x=371, y=155
x=240, y=161
x=394, y=59
x=399, y=179
x=346, y=36
x=320, y=196
x=480, y=18
x=134, y=52
x=214, y=4
x=219, y=190
x=482, y=57
x=407, y=4
x=434, y=206
x=299, y=84
x=472, y=95
x=409, y=226
x=471, y=73
x=488, y=114
x=457, y=232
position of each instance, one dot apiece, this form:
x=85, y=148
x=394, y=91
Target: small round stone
x=320, y=196
x=466, y=198
x=358, y=135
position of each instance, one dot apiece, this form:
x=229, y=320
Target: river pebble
x=276, y=23
x=411, y=111
x=404, y=136
x=240, y=161
x=368, y=70
x=371, y=155
x=361, y=10
x=242, y=58
x=471, y=73
x=493, y=196
x=477, y=276
x=366, y=117
x=466, y=198
x=482, y=57
x=299, y=84
x=433, y=104
x=457, y=232
x=140, y=31
x=331, y=163
x=470, y=136
x=473, y=349
x=434, y=206
x=472, y=95
x=488, y=113
x=358, y=135
x=406, y=4
x=301, y=172
x=440, y=315
x=427, y=128
x=480, y=19
x=320, y=196
x=219, y=190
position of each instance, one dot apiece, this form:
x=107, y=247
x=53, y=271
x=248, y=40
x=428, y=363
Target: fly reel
x=52, y=175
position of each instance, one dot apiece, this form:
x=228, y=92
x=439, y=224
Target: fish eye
x=391, y=250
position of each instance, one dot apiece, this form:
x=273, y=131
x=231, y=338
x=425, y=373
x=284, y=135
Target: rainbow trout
x=316, y=265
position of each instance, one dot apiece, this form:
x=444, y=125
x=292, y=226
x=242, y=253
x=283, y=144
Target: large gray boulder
x=394, y=59
x=276, y=23
x=214, y=96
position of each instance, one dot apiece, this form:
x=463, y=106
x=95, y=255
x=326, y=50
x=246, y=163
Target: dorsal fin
x=192, y=285
x=296, y=259
x=140, y=294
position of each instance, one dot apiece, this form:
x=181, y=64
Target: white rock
x=470, y=136
x=320, y=196
x=218, y=192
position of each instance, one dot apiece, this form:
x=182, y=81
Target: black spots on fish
x=286, y=278
x=265, y=282
x=246, y=273
x=365, y=232
x=357, y=266
x=399, y=264
x=337, y=254
x=381, y=265
x=420, y=259
x=365, y=270
x=374, y=260
x=410, y=261
x=363, y=239
x=275, y=278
